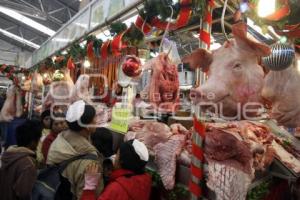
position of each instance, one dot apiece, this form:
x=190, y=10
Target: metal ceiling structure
x=50, y=13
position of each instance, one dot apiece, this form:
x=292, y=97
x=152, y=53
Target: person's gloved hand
x=91, y=177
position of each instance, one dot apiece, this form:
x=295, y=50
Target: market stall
x=210, y=87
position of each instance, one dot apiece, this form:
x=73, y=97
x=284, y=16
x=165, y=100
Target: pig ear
x=239, y=31
x=199, y=58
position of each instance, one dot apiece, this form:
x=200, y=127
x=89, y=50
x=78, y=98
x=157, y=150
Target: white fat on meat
x=286, y=158
x=178, y=129
x=227, y=182
x=150, y=133
x=165, y=158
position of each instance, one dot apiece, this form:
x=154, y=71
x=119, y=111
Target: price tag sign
x=120, y=119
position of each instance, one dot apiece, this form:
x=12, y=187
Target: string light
x=283, y=39
x=266, y=8
x=86, y=63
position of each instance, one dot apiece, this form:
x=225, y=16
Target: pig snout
x=199, y=95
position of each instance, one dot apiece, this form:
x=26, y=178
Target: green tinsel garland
x=178, y=192
x=117, y=27
x=161, y=8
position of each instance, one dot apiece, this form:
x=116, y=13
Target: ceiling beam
x=16, y=43
x=30, y=5
x=24, y=9
x=56, y=10
x=55, y=20
x=65, y=5
x=31, y=40
x=11, y=27
x=69, y=12
x=42, y=6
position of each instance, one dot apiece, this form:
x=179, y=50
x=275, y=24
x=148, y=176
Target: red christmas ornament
x=70, y=64
x=132, y=66
x=90, y=51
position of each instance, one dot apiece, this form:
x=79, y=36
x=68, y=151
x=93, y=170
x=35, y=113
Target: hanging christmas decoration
x=70, y=63
x=142, y=25
x=157, y=14
x=90, y=51
x=105, y=49
x=132, y=66
x=58, y=75
x=282, y=56
x=282, y=15
x=182, y=19
x=117, y=44
x=97, y=47
x=11, y=72
x=117, y=28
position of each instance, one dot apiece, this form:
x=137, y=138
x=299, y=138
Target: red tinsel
x=70, y=64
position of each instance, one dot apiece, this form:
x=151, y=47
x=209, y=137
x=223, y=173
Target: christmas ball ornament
x=132, y=66
x=281, y=57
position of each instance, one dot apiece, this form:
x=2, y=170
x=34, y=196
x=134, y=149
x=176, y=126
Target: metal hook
x=144, y=23
x=223, y=19
x=167, y=28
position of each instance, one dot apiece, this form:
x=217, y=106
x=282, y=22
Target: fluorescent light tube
x=17, y=16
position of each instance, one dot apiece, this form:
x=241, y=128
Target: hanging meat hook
x=223, y=20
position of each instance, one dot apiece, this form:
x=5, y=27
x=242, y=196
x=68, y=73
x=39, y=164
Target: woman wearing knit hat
x=73, y=142
x=128, y=181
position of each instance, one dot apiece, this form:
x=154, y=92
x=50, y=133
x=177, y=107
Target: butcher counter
x=276, y=169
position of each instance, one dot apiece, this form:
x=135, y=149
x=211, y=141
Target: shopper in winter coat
x=45, y=119
x=128, y=181
x=18, y=171
x=57, y=125
x=74, y=142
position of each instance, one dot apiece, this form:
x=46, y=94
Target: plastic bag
x=169, y=47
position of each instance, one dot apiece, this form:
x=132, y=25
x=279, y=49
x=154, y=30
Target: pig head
x=234, y=76
x=281, y=89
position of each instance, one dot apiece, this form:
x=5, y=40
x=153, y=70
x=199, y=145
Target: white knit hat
x=75, y=111
x=141, y=150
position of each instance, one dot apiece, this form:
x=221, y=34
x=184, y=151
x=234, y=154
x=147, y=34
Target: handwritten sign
x=120, y=119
